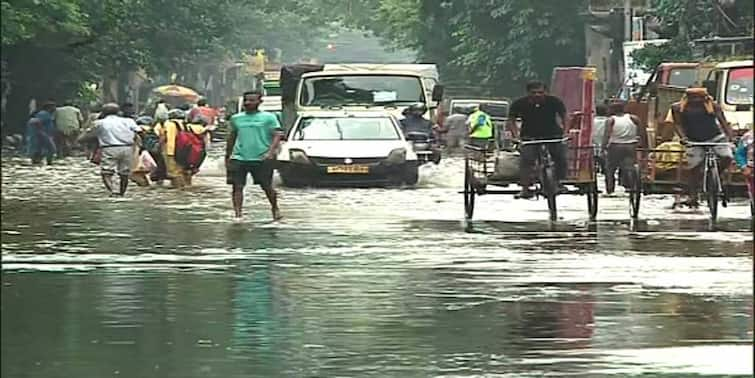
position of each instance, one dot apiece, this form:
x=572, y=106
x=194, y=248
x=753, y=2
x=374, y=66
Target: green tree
x=683, y=21
x=50, y=48
x=496, y=43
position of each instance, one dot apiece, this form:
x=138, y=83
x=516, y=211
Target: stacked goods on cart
x=575, y=86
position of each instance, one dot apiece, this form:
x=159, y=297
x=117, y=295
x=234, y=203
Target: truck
x=358, y=87
x=635, y=78
x=272, y=90
x=731, y=85
x=665, y=86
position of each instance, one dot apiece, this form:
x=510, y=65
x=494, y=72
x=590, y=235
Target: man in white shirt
x=116, y=136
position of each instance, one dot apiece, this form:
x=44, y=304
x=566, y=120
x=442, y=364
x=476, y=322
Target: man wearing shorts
x=699, y=119
x=116, y=137
x=252, y=142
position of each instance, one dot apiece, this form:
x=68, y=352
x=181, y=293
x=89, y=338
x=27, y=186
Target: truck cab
x=360, y=87
x=731, y=84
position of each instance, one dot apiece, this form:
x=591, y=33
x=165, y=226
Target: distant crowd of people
x=169, y=145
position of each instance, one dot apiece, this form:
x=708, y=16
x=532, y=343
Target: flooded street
x=362, y=282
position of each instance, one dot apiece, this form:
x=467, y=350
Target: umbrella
x=177, y=91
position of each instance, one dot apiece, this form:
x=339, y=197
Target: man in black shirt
x=542, y=117
x=698, y=118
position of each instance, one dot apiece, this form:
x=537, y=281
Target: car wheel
x=410, y=175
x=289, y=179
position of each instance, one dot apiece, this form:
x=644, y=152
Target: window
x=739, y=86
x=497, y=110
x=682, y=77
x=346, y=128
x=272, y=90
x=361, y=90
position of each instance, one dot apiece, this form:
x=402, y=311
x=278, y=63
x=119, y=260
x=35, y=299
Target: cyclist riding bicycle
x=542, y=118
x=699, y=119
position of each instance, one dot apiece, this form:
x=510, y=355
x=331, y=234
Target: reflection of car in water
x=357, y=148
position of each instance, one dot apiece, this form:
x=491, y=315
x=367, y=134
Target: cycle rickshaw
x=664, y=171
x=481, y=163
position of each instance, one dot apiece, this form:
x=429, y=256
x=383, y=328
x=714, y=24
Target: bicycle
x=548, y=184
x=712, y=186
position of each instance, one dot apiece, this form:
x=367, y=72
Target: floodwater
x=362, y=283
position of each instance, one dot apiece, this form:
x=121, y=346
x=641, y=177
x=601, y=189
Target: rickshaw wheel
x=469, y=191
x=592, y=200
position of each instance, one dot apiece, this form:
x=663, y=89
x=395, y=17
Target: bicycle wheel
x=712, y=191
x=592, y=200
x=550, y=189
x=635, y=191
x=469, y=191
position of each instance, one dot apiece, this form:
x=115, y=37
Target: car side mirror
x=438, y=93
x=710, y=86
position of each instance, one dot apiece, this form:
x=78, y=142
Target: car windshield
x=682, y=77
x=497, y=110
x=362, y=90
x=739, y=86
x=346, y=128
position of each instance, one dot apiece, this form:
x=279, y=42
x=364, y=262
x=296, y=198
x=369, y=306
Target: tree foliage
x=493, y=43
x=683, y=21
x=51, y=48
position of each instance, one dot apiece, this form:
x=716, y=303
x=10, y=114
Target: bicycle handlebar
x=704, y=144
x=542, y=141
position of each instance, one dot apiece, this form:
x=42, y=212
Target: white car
x=355, y=148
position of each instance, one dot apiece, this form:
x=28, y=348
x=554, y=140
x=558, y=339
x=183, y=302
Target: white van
x=361, y=87
x=731, y=84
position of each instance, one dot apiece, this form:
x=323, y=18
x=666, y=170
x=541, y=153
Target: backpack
x=190, y=148
x=151, y=143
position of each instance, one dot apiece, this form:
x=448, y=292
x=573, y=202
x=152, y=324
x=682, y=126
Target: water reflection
x=271, y=321
x=368, y=282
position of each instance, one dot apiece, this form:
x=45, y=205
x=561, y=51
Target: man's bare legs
x=272, y=197
x=238, y=200
x=107, y=179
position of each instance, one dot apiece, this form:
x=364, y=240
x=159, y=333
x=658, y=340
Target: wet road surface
x=362, y=282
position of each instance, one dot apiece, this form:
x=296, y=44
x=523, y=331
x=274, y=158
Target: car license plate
x=349, y=169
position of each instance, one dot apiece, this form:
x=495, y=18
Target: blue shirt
x=48, y=121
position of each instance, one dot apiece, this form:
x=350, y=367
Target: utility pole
x=627, y=20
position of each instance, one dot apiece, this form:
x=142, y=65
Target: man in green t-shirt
x=252, y=142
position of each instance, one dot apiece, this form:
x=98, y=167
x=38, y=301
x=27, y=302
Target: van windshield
x=739, y=86
x=369, y=90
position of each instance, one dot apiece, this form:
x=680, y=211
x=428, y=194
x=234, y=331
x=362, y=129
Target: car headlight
x=298, y=156
x=397, y=156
